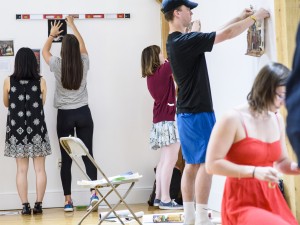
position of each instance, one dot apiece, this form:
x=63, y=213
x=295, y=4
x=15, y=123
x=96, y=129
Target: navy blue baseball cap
x=168, y=5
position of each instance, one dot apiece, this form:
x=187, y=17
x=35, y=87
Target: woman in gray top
x=71, y=100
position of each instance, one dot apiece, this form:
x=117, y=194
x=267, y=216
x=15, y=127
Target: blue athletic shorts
x=194, y=133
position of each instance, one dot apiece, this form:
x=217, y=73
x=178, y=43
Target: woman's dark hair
x=264, y=87
x=26, y=66
x=71, y=65
x=150, y=60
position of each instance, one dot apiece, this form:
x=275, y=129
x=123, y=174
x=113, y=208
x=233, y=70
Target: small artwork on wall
x=6, y=48
x=37, y=54
x=63, y=27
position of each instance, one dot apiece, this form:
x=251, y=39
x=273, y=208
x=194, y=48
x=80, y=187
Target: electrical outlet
x=59, y=163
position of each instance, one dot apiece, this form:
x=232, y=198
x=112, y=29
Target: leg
x=84, y=131
x=41, y=182
x=41, y=177
x=189, y=143
x=202, y=190
x=169, y=158
x=65, y=174
x=22, y=184
x=65, y=127
x=188, y=182
x=188, y=189
x=203, y=180
x=158, y=178
x=202, y=185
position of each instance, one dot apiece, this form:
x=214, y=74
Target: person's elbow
x=5, y=102
x=44, y=54
x=209, y=159
x=209, y=167
x=211, y=163
x=44, y=101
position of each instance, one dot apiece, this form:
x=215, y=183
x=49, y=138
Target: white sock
x=201, y=215
x=189, y=213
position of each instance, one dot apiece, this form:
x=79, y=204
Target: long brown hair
x=150, y=60
x=71, y=66
x=264, y=87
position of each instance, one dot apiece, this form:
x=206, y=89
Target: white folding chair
x=76, y=149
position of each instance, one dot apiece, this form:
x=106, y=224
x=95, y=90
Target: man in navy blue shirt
x=293, y=101
x=195, y=114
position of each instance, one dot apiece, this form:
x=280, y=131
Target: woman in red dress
x=248, y=146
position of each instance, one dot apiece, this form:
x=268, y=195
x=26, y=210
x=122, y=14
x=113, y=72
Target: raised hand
x=55, y=28
x=261, y=14
x=246, y=13
x=196, y=26
x=70, y=20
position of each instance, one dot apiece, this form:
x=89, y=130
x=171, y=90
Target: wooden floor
x=56, y=216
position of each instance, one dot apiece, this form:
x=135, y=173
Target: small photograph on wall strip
x=38, y=58
x=6, y=48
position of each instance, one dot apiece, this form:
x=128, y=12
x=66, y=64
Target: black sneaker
x=38, y=209
x=26, y=209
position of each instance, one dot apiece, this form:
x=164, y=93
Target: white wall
x=119, y=100
x=120, y=103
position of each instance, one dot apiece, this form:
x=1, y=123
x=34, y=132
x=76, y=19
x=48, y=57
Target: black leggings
x=67, y=122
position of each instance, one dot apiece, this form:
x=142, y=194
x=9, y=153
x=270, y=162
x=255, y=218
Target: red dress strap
x=243, y=123
x=278, y=123
x=277, y=119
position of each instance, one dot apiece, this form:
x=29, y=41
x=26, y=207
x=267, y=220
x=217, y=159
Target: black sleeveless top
x=26, y=131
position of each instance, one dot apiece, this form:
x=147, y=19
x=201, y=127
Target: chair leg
x=111, y=208
x=68, y=144
x=100, y=200
x=122, y=199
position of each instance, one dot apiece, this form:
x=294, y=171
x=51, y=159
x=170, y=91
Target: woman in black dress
x=24, y=95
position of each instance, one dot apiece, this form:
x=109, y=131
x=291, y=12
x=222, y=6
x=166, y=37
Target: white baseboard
x=52, y=199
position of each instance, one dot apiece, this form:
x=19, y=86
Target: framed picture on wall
x=63, y=27
x=37, y=53
x=6, y=48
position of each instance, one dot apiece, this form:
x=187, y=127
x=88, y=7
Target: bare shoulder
x=232, y=119
x=232, y=116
